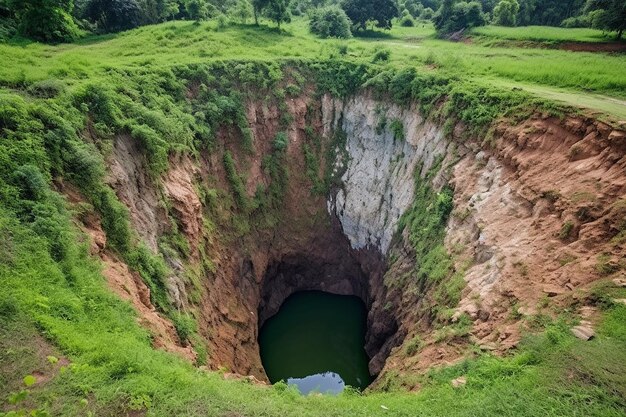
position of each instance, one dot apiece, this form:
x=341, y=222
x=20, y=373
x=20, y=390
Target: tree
x=330, y=22
x=45, y=20
x=414, y=7
x=258, y=6
x=197, y=9
x=114, y=15
x=454, y=16
x=379, y=11
x=427, y=14
x=611, y=15
x=278, y=11
x=443, y=14
x=171, y=9
x=243, y=11
x=406, y=19
x=548, y=12
x=505, y=13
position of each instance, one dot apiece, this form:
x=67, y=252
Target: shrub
x=379, y=12
x=48, y=21
x=566, y=230
x=33, y=185
x=8, y=308
x=455, y=16
x=413, y=346
x=330, y=22
x=99, y=101
x=275, y=166
x=155, y=148
x=153, y=272
x=427, y=14
x=114, y=218
x=47, y=88
x=397, y=127
x=381, y=55
x=236, y=183
x=406, y=19
x=185, y=326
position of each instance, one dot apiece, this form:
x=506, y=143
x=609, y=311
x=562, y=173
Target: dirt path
x=610, y=106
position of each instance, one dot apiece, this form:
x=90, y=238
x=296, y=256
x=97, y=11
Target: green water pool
x=315, y=342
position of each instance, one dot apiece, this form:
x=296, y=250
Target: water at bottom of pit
x=316, y=342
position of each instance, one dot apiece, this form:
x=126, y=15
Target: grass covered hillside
x=171, y=44
x=70, y=347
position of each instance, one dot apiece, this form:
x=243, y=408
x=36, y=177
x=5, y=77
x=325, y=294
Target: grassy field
x=543, y=34
x=53, y=291
x=183, y=42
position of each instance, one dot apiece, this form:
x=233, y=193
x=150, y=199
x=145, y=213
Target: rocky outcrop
x=534, y=214
x=129, y=177
x=178, y=184
x=385, y=145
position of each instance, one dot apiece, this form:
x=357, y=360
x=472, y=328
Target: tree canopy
x=45, y=20
x=330, y=22
x=114, y=15
x=454, y=15
x=505, y=13
x=278, y=11
x=381, y=12
x=611, y=15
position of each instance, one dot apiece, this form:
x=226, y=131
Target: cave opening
x=313, y=323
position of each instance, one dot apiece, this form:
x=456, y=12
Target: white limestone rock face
x=378, y=183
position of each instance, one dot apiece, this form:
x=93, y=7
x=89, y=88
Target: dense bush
x=381, y=55
x=427, y=13
x=32, y=183
x=454, y=16
x=609, y=15
x=48, y=21
x=114, y=15
x=407, y=20
x=330, y=22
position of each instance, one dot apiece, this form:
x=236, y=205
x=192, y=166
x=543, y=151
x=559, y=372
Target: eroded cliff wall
x=536, y=208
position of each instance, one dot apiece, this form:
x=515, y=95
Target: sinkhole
x=316, y=342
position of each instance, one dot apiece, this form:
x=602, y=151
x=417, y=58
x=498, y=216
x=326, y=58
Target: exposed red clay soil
x=533, y=213
x=594, y=46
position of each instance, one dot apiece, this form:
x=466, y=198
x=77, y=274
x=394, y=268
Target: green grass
x=183, y=42
x=543, y=34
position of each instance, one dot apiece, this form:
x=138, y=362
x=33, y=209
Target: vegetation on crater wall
x=426, y=222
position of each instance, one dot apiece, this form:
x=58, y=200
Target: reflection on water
x=325, y=383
